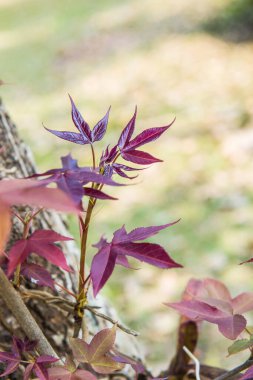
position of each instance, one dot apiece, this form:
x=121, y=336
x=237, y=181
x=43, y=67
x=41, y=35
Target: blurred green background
x=190, y=59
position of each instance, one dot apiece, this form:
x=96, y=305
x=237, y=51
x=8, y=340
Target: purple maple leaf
x=137, y=366
x=42, y=243
x=209, y=300
x=37, y=274
x=39, y=367
x=72, y=180
x=24, y=191
x=108, y=155
x=13, y=358
x=122, y=245
x=62, y=373
x=85, y=135
x=69, y=372
x=128, y=147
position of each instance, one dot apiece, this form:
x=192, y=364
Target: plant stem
x=236, y=370
x=82, y=290
x=113, y=321
x=115, y=159
x=65, y=289
x=81, y=299
x=84, y=243
x=93, y=157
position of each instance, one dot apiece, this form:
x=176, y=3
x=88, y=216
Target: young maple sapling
x=74, y=183
x=73, y=180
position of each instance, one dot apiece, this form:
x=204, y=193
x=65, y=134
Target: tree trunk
x=16, y=161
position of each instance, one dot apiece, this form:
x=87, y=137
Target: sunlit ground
x=155, y=54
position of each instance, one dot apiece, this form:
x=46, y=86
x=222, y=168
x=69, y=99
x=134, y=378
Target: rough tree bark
x=16, y=161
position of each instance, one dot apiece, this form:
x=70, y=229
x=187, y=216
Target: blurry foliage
x=234, y=22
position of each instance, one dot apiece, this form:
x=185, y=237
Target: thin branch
x=235, y=370
x=47, y=297
x=107, y=318
x=16, y=305
x=65, y=290
x=93, y=157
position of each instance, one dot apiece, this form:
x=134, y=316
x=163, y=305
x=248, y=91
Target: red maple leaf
x=42, y=243
x=124, y=244
x=209, y=300
x=27, y=191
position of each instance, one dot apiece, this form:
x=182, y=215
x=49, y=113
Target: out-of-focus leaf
x=97, y=352
x=61, y=373
x=42, y=243
x=232, y=326
x=5, y=226
x=240, y=345
x=38, y=274
x=39, y=367
x=27, y=191
x=13, y=358
x=210, y=300
x=243, y=303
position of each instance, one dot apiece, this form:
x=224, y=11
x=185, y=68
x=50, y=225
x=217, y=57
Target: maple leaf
x=137, y=366
x=37, y=274
x=39, y=367
x=25, y=345
x=13, y=358
x=42, y=243
x=27, y=191
x=128, y=147
x=108, y=155
x=71, y=179
x=96, y=353
x=120, y=170
x=69, y=372
x=64, y=374
x=240, y=345
x=122, y=245
x=85, y=135
x=209, y=300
